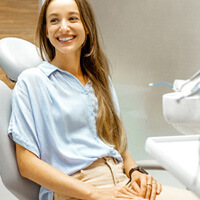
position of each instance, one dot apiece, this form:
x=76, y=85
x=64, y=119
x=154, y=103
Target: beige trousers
x=107, y=172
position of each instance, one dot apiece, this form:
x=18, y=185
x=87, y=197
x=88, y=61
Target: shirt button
x=113, y=152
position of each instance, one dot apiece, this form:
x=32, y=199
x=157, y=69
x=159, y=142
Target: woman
x=65, y=115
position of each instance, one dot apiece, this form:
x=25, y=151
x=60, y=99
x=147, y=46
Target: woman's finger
x=149, y=186
x=143, y=186
x=126, y=193
x=148, y=192
x=159, y=188
x=153, y=190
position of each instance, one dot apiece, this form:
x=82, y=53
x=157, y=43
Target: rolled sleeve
x=22, y=127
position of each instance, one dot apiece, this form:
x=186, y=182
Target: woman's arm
x=145, y=185
x=128, y=162
x=31, y=167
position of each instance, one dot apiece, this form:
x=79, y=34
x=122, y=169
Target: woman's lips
x=66, y=39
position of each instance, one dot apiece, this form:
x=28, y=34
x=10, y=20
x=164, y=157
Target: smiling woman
x=71, y=115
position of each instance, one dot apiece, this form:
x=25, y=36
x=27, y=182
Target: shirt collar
x=47, y=68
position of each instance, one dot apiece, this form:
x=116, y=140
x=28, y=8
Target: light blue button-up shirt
x=54, y=116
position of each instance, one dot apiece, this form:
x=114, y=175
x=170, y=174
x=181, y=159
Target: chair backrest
x=16, y=55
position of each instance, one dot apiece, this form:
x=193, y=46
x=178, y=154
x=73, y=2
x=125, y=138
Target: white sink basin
x=184, y=115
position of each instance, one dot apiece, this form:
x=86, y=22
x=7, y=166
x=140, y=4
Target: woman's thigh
x=105, y=172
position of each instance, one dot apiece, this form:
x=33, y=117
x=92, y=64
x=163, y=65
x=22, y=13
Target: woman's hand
x=115, y=193
x=145, y=185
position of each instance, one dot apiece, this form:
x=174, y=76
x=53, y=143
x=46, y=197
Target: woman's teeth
x=65, y=39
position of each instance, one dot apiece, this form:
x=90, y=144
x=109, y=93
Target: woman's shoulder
x=31, y=74
x=31, y=78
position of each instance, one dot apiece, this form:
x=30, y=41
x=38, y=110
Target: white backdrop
x=148, y=41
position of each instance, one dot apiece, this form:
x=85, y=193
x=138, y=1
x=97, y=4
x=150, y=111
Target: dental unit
x=180, y=154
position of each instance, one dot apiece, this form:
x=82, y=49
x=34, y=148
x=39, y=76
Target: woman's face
x=64, y=27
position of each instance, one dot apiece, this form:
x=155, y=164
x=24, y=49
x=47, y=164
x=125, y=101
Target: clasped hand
x=116, y=193
x=145, y=185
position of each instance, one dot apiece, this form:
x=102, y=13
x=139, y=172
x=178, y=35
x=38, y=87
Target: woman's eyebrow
x=74, y=12
x=70, y=13
x=53, y=14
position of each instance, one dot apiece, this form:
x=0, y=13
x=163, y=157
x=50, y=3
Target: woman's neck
x=70, y=64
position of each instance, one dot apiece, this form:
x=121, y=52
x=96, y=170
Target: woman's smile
x=66, y=39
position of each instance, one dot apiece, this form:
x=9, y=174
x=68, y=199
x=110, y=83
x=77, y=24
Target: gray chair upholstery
x=150, y=164
x=16, y=55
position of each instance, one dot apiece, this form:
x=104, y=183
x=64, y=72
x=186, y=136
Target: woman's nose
x=64, y=27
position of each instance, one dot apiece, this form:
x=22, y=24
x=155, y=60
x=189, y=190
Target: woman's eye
x=53, y=20
x=74, y=19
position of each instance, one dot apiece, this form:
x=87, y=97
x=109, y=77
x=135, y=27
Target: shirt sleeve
x=22, y=128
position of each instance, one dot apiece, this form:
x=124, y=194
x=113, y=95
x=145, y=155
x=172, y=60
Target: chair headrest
x=16, y=55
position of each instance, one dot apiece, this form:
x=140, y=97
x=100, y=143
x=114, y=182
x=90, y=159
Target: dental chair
x=17, y=55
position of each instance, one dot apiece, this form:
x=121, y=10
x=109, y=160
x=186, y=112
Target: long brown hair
x=94, y=65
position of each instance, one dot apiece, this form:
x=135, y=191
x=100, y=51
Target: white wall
x=148, y=41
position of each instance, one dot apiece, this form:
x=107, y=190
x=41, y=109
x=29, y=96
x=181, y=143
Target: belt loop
x=115, y=161
x=106, y=159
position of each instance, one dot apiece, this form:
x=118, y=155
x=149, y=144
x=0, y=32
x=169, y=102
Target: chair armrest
x=150, y=164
